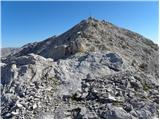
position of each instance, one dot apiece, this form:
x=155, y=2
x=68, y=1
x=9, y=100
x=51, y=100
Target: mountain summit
x=92, y=35
x=94, y=70
x=89, y=35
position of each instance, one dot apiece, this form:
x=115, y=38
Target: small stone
x=35, y=106
x=48, y=88
x=78, y=33
x=87, y=84
x=83, y=110
x=120, y=99
x=127, y=107
x=86, y=89
x=128, y=85
x=89, y=77
x=39, y=105
x=19, y=105
x=67, y=113
x=14, y=66
x=78, y=94
x=133, y=113
x=32, y=84
x=94, y=91
x=112, y=98
x=8, y=115
x=79, y=90
x=14, y=113
x=84, y=95
x=109, y=89
x=50, y=59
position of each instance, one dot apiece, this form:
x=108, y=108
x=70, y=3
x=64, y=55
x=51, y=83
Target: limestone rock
x=95, y=70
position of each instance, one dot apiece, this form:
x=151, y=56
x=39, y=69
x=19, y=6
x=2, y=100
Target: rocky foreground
x=94, y=70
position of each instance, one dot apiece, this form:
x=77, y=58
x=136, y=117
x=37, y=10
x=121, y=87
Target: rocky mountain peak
x=89, y=35
x=93, y=70
x=92, y=35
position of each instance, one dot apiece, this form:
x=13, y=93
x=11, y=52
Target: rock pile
x=118, y=96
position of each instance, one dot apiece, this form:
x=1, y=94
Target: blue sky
x=25, y=22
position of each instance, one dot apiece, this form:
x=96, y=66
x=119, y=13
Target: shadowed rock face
x=94, y=70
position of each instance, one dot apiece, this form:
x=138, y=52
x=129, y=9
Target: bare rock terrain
x=94, y=70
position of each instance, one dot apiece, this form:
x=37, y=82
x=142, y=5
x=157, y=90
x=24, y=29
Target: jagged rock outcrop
x=94, y=70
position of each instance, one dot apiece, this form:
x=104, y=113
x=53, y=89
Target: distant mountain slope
x=7, y=51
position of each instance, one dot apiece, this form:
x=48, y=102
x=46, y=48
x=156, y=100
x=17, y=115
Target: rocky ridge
x=94, y=70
